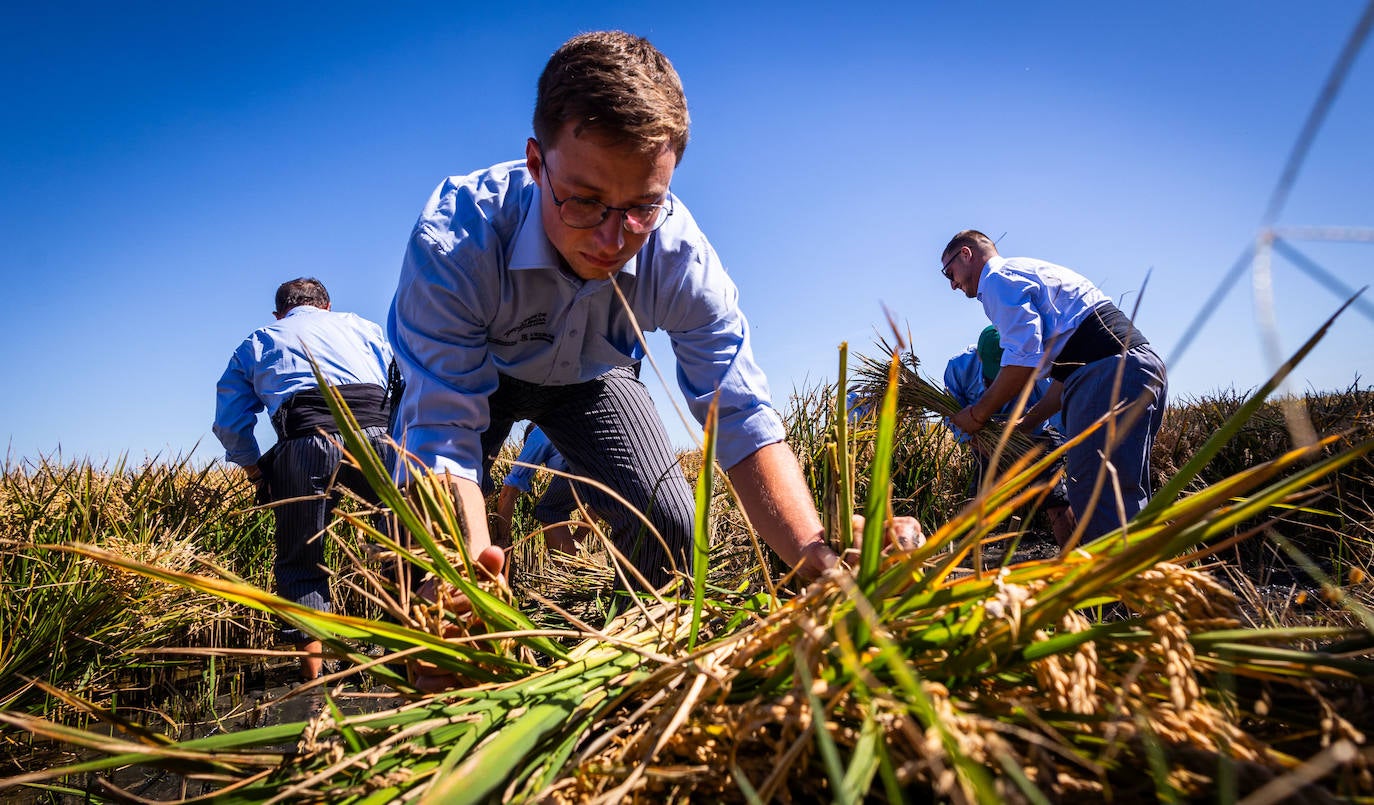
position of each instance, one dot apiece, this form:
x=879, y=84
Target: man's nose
x=611, y=231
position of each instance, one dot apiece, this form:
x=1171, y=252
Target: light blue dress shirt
x=539, y=451
x=272, y=364
x=964, y=377
x=481, y=294
x=1034, y=304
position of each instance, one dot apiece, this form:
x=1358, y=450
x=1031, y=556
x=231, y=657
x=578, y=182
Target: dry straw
x=917, y=677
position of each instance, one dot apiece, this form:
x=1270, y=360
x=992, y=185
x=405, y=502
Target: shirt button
x=572, y=332
x=564, y=364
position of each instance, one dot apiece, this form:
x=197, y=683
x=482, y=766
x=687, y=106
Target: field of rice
x=1220, y=649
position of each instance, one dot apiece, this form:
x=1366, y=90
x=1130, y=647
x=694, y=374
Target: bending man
x=1054, y=321
x=508, y=308
x=271, y=371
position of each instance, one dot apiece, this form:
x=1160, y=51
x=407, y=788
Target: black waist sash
x=306, y=413
x=1104, y=332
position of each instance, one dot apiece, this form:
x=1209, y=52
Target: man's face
x=615, y=176
x=962, y=272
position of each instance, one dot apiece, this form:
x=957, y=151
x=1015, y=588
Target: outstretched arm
x=1009, y=382
x=472, y=509
x=774, y=495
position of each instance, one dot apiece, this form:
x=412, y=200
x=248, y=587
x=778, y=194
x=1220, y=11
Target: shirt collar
x=995, y=262
x=302, y=309
x=532, y=248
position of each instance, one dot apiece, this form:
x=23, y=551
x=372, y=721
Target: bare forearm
x=472, y=513
x=775, y=497
x=1005, y=388
x=1044, y=408
x=505, y=510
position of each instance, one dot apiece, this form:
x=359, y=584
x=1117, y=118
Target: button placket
x=574, y=331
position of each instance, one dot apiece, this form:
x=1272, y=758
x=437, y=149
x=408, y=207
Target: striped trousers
x=311, y=467
x=608, y=430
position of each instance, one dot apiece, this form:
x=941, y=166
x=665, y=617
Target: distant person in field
x=1053, y=321
x=554, y=506
x=967, y=376
x=508, y=308
x=969, y=373
x=270, y=371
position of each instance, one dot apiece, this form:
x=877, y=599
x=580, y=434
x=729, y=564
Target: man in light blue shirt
x=1054, y=322
x=271, y=371
x=967, y=376
x=509, y=307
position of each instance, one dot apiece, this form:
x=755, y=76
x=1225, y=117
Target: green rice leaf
x=701, y=530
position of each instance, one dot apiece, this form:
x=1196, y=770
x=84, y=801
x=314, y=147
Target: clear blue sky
x=165, y=166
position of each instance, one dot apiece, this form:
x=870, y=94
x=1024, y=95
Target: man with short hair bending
x=271, y=371
x=1054, y=321
x=509, y=307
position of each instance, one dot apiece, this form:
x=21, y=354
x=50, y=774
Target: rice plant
x=1119, y=671
x=74, y=623
x=1333, y=526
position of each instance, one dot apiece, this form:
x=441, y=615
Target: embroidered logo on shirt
x=510, y=338
x=537, y=320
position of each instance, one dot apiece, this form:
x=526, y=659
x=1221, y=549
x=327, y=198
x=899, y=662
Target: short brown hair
x=301, y=291
x=615, y=85
x=976, y=242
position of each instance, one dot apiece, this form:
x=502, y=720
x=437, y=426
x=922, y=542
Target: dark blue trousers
x=1119, y=449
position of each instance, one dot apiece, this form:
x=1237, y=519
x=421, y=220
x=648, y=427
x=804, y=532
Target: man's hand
x=261, y=493
x=901, y=534
x=815, y=560
x=968, y=420
x=426, y=676
x=1047, y=406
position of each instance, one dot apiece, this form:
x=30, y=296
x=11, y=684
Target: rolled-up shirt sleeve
x=710, y=337
x=1008, y=302
x=438, y=332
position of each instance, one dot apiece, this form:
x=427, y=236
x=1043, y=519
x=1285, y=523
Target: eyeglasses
x=587, y=213
x=945, y=269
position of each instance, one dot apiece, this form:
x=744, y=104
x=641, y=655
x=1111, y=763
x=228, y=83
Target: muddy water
x=254, y=696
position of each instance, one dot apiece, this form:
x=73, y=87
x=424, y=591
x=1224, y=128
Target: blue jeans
x=1088, y=397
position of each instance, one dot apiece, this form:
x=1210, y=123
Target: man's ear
x=533, y=161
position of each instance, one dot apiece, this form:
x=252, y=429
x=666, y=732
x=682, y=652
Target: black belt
x=1103, y=333
x=306, y=413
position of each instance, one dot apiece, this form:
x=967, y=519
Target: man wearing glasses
x=1052, y=320
x=509, y=307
